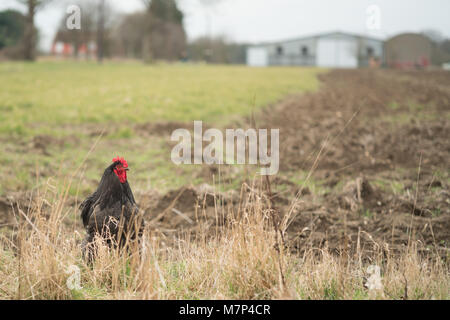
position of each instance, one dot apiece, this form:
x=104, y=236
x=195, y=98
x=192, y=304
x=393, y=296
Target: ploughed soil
x=379, y=142
x=377, y=145
x=364, y=163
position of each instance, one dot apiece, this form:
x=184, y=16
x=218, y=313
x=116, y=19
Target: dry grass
x=243, y=257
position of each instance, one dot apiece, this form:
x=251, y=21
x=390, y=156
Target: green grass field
x=68, y=104
x=36, y=97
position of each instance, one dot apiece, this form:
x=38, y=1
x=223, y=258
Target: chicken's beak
x=126, y=169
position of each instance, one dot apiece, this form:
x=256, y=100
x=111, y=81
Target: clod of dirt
x=304, y=191
x=435, y=184
x=148, y=201
x=358, y=192
x=43, y=142
x=5, y=211
x=411, y=207
x=186, y=198
x=13, y=202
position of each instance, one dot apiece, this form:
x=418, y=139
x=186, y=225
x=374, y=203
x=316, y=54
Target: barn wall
x=304, y=52
x=297, y=52
x=408, y=50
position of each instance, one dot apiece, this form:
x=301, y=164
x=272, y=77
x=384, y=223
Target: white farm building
x=332, y=50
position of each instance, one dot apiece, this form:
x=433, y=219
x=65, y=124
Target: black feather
x=111, y=203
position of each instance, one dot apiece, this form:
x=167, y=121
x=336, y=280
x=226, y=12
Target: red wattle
x=121, y=174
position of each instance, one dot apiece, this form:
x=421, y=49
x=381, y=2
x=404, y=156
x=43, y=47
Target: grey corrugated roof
x=323, y=34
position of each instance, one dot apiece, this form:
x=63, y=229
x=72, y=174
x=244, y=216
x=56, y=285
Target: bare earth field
x=364, y=173
x=377, y=146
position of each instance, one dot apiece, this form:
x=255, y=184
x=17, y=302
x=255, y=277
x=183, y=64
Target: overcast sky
x=272, y=20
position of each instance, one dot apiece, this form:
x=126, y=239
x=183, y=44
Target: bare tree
x=210, y=6
x=101, y=31
x=217, y=49
x=164, y=36
x=30, y=34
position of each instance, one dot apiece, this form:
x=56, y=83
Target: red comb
x=122, y=161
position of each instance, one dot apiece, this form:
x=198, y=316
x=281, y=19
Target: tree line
x=154, y=33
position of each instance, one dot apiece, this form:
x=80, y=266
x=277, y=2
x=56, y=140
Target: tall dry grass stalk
x=241, y=257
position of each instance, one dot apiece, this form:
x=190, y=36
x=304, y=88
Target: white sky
x=272, y=20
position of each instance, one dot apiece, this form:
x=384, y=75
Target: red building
x=69, y=43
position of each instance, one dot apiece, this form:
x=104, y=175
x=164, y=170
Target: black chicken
x=111, y=210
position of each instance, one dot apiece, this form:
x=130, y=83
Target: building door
x=337, y=53
x=257, y=57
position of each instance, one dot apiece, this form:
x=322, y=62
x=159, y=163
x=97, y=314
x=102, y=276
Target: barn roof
x=318, y=35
